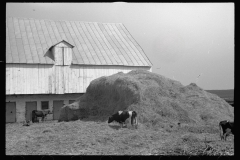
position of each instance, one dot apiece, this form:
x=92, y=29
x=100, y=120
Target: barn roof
x=27, y=41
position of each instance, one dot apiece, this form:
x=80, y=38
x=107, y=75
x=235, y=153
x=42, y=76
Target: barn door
x=57, y=105
x=10, y=112
x=30, y=106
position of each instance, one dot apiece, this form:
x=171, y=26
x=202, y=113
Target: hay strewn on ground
x=97, y=138
x=158, y=100
x=161, y=104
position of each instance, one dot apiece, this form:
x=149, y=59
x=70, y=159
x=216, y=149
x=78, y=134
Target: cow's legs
x=33, y=118
x=221, y=131
x=125, y=124
x=221, y=135
x=225, y=136
x=136, y=122
x=227, y=133
x=37, y=120
x=121, y=124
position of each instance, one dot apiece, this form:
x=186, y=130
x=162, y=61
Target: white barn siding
x=51, y=81
x=66, y=86
x=45, y=79
x=67, y=56
x=36, y=79
x=57, y=55
x=80, y=77
x=8, y=82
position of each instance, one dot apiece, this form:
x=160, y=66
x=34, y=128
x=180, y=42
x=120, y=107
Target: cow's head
x=134, y=118
x=134, y=114
x=110, y=119
x=49, y=112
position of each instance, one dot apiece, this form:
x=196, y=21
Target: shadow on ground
x=117, y=127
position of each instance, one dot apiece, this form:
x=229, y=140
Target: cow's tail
x=221, y=131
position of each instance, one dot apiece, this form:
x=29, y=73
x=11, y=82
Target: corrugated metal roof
x=27, y=41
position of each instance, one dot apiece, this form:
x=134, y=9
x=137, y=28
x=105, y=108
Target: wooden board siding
x=58, y=56
x=8, y=82
x=51, y=79
x=67, y=56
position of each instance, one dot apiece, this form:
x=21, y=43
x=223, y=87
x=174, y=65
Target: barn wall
x=22, y=99
x=51, y=79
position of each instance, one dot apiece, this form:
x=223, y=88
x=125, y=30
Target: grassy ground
x=225, y=94
x=99, y=138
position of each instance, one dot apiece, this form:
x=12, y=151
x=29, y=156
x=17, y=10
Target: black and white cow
x=122, y=116
x=225, y=128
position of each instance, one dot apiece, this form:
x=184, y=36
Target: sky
x=186, y=42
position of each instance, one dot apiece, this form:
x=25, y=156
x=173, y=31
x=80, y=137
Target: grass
x=99, y=138
x=226, y=94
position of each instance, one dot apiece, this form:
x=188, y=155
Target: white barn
x=51, y=63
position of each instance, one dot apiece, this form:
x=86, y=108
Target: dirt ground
x=98, y=138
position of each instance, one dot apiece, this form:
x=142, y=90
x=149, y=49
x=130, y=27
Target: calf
x=36, y=113
x=226, y=128
x=122, y=116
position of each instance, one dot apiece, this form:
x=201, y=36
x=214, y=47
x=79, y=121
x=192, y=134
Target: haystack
x=156, y=99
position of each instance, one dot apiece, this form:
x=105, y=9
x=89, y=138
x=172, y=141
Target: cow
x=122, y=116
x=38, y=113
x=226, y=128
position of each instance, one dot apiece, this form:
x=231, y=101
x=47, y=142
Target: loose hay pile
x=159, y=101
x=174, y=120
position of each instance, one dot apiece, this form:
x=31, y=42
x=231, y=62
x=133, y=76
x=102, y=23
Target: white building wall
x=51, y=79
x=22, y=99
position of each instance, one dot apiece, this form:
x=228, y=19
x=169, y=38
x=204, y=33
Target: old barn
x=50, y=63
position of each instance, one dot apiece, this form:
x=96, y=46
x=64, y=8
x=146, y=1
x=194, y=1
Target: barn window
x=44, y=105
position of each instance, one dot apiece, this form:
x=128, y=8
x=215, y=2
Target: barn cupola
x=61, y=53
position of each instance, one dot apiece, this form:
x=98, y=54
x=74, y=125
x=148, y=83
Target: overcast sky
x=187, y=42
